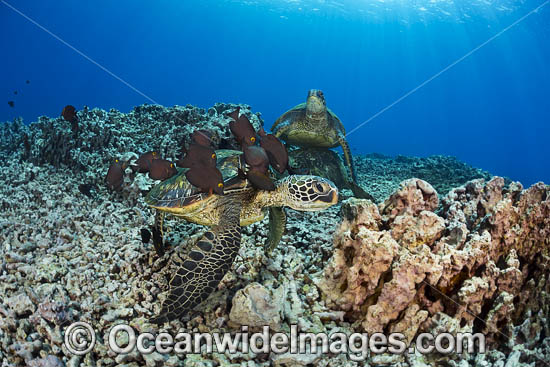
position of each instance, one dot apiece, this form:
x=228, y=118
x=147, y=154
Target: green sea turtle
x=313, y=125
x=193, y=277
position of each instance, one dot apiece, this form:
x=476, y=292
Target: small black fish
x=208, y=179
x=115, y=175
x=27, y=81
x=11, y=103
x=198, y=156
x=15, y=92
x=161, y=169
x=145, y=235
x=143, y=163
x=157, y=241
x=275, y=149
x=242, y=129
x=86, y=189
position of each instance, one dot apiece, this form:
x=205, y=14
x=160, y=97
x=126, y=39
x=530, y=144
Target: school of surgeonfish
x=15, y=92
x=260, y=151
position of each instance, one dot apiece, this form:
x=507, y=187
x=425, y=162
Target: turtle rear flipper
x=347, y=156
x=196, y=275
x=360, y=193
x=277, y=223
x=357, y=190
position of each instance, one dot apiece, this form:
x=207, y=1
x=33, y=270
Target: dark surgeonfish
x=161, y=169
x=11, y=103
x=198, y=156
x=260, y=180
x=258, y=165
x=145, y=235
x=115, y=175
x=275, y=149
x=256, y=158
x=208, y=179
x=69, y=113
x=143, y=163
x=202, y=137
x=242, y=129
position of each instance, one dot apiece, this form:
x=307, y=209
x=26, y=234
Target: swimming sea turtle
x=313, y=124
x=196, y=275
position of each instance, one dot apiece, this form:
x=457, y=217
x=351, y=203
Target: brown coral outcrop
x=479, y=264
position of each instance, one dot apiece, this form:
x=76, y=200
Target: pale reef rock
x=478, y=262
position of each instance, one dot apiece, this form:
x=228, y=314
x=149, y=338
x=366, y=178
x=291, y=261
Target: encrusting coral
x=478, y=264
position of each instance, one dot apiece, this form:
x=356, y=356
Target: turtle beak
x=330, y=198
x=334, y=197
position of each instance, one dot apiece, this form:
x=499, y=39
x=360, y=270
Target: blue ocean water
x=491, y=109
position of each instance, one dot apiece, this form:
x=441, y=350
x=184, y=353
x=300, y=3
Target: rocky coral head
x=308, y=193
x=315, y=103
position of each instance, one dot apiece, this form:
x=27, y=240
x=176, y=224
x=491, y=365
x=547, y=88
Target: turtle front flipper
x=288, y=118
x=277, y=223
x=196, y=275
x=347, y=156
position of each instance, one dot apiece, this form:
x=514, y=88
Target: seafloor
x=445, y=248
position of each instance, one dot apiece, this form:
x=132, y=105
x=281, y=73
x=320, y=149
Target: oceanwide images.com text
x=80, y=339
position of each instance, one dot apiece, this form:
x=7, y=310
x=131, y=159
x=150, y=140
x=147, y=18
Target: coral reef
x=110, y=133
x=478, y=264
x=418, y=261
x=381, y=175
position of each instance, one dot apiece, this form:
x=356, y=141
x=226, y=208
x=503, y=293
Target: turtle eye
x=253, y=139
x=220, y=185
x=319, y=187
x=154, y=154
x=116, y=160
x=213, y=156
x=171, y=165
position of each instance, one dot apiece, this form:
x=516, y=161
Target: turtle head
x=315, y=103
x=307, y=193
